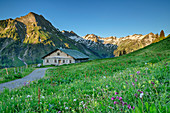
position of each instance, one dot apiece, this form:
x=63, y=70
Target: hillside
x=137, y=82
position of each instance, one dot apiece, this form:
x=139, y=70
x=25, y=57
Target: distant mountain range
x=26, y=39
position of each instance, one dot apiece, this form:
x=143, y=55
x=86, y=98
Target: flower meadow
x=133, y=83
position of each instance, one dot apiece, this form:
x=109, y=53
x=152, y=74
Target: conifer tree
x=162, y=34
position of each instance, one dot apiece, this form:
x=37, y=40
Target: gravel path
x=35, y=75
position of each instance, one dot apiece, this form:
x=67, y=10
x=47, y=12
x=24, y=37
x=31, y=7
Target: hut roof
x=74, y=53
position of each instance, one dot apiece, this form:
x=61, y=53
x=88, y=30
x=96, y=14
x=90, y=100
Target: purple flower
x=120, y=98
x=24, y=83
x=125, y=103
x=152, y=83
x=116, y=93
x=112, y=98
x=133, y=107
x=138, y=72
x=136, y=95
x=59, y=111
x=135, y=79
x=129, y=107
x=140, y=91
x=117, y=97
x=115, y=102
x=133, y=84
x=126, y=83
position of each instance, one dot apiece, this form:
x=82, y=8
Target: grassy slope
x=89, y=87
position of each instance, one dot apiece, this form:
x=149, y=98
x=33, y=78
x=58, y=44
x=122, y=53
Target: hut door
x=59, y=62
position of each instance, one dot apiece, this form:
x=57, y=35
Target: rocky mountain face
x=126, y=44
x=92, y=42
x=26, y=39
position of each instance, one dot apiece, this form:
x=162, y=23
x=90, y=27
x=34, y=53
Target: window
x=47, y=61
x=70, y=61
x=63, y=61
x=58, y=54
x=55, y=61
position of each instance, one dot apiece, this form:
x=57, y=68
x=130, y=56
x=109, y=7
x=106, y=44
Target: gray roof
x=74, y=53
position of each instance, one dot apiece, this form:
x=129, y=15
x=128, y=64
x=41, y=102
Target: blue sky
x=101, y=17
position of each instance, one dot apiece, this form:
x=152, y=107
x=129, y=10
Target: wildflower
x=133, y=107
x=66, y=107
x=59, y=111
x=112, y=98
x=152, y=83
x=135, y=79
x=141, y=95
x=124, y=86
x=157, y=81
x=140, y=91
x=42, y=97
x=12, y=98
x=145, y=63
x=29, y=96
x=84, y=105
x=24, y=83
x=131, y=75
x=74, y=100
x=149, y=81
x=104, y=76
x=115, y=102
x=129, y=107
x=81, y=102
x=136, y=95
x=120, y=98
x=146, y=68
x=116, y=93
x=47, y=109
x=138, y=72
x=133, y=84
x=126, y=83
x=117, y=97
x=106, y=86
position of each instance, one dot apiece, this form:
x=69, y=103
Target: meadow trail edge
x=35, y=75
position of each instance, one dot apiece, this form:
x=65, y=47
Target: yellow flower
x=149, y=81
x=157, y=81
x=124, y=86
x=156, y=93
x=143, y=85
x=131, y=75
x=113, y=87
x=47, y=109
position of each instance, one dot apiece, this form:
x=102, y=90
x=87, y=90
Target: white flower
x=12, y=98
x=29, y=96
x=84, y=105
x=66, y=107
x=104, y=77
x=146, y=68
x=141, y=95
x=81, y=102
x=42, y=97
x=106, y=86
x=74, y=100
x=145, y=63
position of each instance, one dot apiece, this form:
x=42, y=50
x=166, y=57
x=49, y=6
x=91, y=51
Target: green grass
x=91, y=86
x=14, y=73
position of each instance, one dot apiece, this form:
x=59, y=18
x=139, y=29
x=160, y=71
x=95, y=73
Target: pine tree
x=162, y=35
